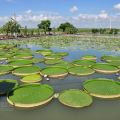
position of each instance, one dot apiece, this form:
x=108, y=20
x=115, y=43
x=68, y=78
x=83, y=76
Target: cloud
x=32, y=18
x=74, y=9
x=103, y=15
x=28, y=11
x=117, y=6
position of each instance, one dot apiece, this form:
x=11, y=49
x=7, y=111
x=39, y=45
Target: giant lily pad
x=105, y=68
x=21, y=62
x=87, y=63
x=31, y=95
x=75, y=98
x=54, y=72
x=88, y=57
x=26, y=70
x=4, y=69
x=32, y=78
x=81, y=71
x=103, y=88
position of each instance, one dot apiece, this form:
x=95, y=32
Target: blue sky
x=33, y=11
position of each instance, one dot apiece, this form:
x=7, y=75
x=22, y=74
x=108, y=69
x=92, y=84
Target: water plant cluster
x=21, y=61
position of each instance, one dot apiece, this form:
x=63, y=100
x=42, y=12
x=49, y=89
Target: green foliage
x=94, y=31
x=45, y=25
x=68, y=28
x=11, y=27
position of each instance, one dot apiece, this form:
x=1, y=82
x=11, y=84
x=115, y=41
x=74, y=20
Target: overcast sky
x=81, y=13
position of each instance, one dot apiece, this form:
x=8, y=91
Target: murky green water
x=99, y=110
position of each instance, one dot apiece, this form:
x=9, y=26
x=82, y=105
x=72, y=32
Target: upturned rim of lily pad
x=28, y=91
x=69, y=98
x=102, y=88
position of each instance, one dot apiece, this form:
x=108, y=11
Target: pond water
x=100, y=109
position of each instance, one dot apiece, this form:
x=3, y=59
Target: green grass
x=75, y=98
x=30, y=94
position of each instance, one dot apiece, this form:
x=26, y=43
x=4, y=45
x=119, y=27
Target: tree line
x=12, y=27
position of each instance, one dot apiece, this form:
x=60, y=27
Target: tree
x=11, y=27
x=94, y=31
x=102, y=31
x=68, y=28
x=45, y=25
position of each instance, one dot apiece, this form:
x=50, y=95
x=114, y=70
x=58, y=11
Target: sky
x=81, y=13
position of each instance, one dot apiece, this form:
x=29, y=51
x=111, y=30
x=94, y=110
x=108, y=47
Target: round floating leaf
x=109, y=58
x=37, y=60
x=88, y=57
x=26, y=70
x=31, y=95
x=23, y=55
x=87, y=63
x=19, y=63
x=64, y=64
x=75, y=98
x=53, y=56
x=62, y=53
x=81, y=71
x=54, y=72
x=32, y=78
x=4, y=69
x=103, y=88
x=115, y=63
x=44, y=52
x=54, y=61
x=105, y=68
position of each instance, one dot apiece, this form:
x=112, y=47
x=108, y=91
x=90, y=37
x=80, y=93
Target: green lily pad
x=5, y=69
x=31, y=95
x=19, y=63
x=53, y=56
x=87, y=63
x=54, y=61
x=75, y=98
x=26, y=70
x=64, y=64
x=105, y=68
x=88, y=57
x=44, y=52
x=103, y=88
x=81, y=71
x=32, y=78
x=54, y=72
x=109, y=58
